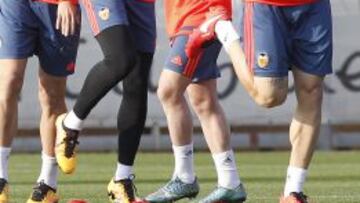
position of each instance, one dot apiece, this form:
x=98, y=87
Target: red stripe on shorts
x=192, y=65
x=252, y=38
x=249, y=35
x=91, y=16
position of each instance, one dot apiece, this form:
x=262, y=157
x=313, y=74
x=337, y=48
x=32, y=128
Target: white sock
x=73, y=122
x=4, y=160
x=226, y=33
x=225, y=164
x=123, y=171
x=295, y=180
x=49, y=171
x=184, y=163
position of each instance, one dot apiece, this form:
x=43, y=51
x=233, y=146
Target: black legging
x=121, y=62
x=120, y=57
x=133, y=109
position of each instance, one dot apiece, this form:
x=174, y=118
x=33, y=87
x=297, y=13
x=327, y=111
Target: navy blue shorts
x=277, y=38
x=28, y=27
x=202, y=68
x=138, y=14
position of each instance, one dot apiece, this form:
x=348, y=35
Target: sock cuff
x=72, y=121
x=123, y=171
x=295, y=180
x=5, y=150
x=223, y=154
x=47, y=158
x=296, y=174
x=183, y=148
x=225, y=160
x=124, y=165
x=297, y=171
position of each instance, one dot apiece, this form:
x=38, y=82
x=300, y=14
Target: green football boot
x=174, y=190
x=224, y=195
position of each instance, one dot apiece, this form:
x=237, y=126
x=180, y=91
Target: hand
x=67, y=18
x=205, y=33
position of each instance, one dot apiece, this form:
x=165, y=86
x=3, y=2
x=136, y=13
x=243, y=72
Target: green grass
x=334, y=176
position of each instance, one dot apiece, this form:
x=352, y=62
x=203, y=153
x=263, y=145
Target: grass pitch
x=334, y=176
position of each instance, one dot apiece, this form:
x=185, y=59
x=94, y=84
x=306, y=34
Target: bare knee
x=271, y=100
x=11, y=89
x=203, y=105
x=309, y=103
x=168, y=94
x=311, y=91
x=270, y=92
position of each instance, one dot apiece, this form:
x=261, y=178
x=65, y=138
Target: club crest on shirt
x=104, y=13
x=263, y=60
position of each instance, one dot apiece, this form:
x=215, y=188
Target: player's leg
x=131, y=122
x=133, y=108
x=57, y=56
x=132, y=115
x=304, y=128
x=113, y=33
x=15, y=47
x=313, y=60
x=172, y=85
x=265, y=91
x=114, y=37
x=171, y=94
x=183, y=183
x=11, y=81
x=304, y=132
x=120, y=58
x=256, y=67
x=204, y=99
x=259, y=63
x=12, y=77
x=52, y=101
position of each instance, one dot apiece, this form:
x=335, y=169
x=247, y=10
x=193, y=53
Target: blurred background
x=253, y=127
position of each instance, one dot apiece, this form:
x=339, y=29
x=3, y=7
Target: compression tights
x=133, y=109
x=121, y=63
x=120, y=57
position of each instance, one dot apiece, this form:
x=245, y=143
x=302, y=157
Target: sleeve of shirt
x=222, y=5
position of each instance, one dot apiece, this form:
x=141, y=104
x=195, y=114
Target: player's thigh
x=142, y=23
x=103, y=14
x=57, y=57
x=264, y=39
x=201, y=68
x=175, y=76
